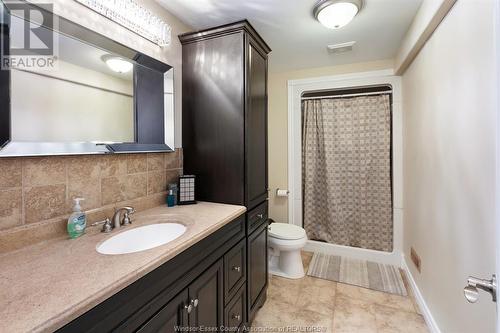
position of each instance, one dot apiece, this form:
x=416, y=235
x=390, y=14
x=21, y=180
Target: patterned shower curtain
x=346, y=157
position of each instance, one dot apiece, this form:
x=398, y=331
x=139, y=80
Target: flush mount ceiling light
x=118, y=65
x=335, y=14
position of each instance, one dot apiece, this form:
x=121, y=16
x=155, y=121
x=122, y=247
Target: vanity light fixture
x=335, y=14
x=134, y=17
x=118, y=65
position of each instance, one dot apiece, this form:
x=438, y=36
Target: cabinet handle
x=237, y=268
x=194, y=302
x=260, y=216
x=236, y=316
x=189, y=308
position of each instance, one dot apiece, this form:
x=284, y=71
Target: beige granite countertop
x=47, y=285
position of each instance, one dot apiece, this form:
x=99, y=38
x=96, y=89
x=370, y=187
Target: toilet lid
x=286, y=231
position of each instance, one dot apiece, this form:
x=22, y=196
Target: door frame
x=363, y=79
x=497, y=178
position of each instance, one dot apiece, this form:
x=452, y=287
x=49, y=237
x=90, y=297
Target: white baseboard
x=426, y=312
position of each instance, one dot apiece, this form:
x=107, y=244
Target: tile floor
x=315, y=305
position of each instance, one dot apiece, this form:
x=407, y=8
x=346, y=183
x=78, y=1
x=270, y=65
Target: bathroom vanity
x=203, y=286
x=198, y=279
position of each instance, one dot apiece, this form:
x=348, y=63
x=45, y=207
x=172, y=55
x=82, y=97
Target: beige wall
x=278, y=125
x=449, y=114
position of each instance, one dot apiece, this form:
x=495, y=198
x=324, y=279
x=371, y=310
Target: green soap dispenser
x=77, y=221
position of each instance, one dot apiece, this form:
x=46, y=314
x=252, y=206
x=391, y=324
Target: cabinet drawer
x=256, y=217
x=234, y=269
x=235, y=311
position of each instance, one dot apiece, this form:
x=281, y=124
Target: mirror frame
x=149, y=112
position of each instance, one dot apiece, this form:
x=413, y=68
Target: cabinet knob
x=235, y=316
x=260, y=216
x=189, y=308
x=194, y=302
x=236, y=268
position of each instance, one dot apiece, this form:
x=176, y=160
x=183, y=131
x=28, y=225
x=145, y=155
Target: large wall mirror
x=97, y=96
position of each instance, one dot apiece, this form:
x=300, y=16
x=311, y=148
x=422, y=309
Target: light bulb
x=119, y=65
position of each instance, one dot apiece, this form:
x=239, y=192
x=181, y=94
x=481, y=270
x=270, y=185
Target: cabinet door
x=257, y=269
x=213, y=117
x=206, y=295
x=170, y=318
x=234, y=269
x=256, y=128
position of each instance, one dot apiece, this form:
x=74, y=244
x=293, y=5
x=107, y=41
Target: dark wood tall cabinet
x=224, y=126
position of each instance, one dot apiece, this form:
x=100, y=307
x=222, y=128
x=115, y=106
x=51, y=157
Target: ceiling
x=299, y=41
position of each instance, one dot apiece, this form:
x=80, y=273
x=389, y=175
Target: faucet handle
x=106, y=225
x=130, y=210
x=126, y=218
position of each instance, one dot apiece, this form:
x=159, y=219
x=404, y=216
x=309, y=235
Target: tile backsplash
x=36, y=190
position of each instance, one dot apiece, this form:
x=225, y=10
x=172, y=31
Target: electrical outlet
x=416, y=259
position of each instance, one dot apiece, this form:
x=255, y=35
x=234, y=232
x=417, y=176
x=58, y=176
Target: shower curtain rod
x=349, y=95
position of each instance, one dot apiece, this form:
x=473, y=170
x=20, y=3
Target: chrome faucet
x=116, y=223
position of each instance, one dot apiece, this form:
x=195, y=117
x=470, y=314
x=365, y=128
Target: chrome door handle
x=260, y=216
x=471, y=291
x=236, y=268
x=236, y=316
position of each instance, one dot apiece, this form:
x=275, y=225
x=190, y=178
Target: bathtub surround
x=36, y=193
x=346, y=81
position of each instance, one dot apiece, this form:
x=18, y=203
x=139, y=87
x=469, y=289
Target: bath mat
x=362, y=273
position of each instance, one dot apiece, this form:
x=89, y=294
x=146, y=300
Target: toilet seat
x=286, y=231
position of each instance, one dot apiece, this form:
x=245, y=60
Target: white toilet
x=285, y=242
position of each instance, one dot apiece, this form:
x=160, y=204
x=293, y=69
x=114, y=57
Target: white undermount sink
x=142, y=238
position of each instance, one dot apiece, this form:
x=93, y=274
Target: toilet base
x=288, y=265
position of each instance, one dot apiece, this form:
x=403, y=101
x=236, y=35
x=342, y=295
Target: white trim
x=342, y=77
x=363, y=79
x=426, y=312
x=497, y=168
x=427, y=20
